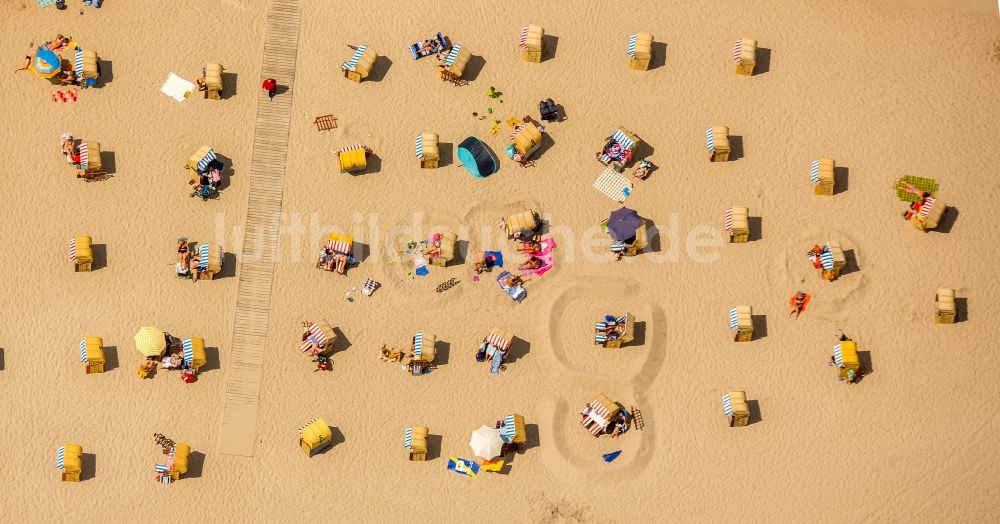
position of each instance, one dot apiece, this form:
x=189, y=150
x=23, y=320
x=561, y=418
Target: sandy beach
x=887, y=89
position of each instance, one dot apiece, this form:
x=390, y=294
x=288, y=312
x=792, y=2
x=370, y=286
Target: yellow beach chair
x=446, y=252
x=81, y=253
x=69, y=459
x=640, y=51
x=415, y=440
x=845, y=357
x=734, y=406
x=741, y=323
x=944, y=306
x=745, y=56
x=822, y=175
x=315, y=437
x=427, y=150
x=213, y=81
x=194, y=352
x=453, y=65
x=359, y=66
x=717, y=142
x=737, y=223
x=531, y=42
x=92, y=354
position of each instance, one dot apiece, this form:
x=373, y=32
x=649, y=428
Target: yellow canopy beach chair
x=640, y=51
x=737, y=223
x=524, y=221
x=613, y=332
x=822, y=175
x=90, y=160
x=422, y=349
x=745, y=56
x=210, y=261
x=359, y=66
x=512, y=431
x=944, y=306
x=69, y=459
x=741, y=323
x=717, y=142
x=81, y=253
x=92, y=354
x=415, y=440
x=453, y=65
x=427, y=150
x=315, y=437
x=353, y=158
x=599, y=414
x=525, y=139
x=194, y=352
x=198, y=162
x=845, y=357
x=530, y=43
x=734, y=406
x=445, y=253
x=213, y=81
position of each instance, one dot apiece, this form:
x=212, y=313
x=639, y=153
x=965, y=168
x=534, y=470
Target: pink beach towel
x=545, y=255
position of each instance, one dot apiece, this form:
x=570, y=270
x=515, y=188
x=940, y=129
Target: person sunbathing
x=340, y=260
x=621, y=425
x=913, y=190
x=530, y=264
x=57, y=43
x=68, y=78
x=513, y=281
x=428, y=47
x=530, y=246
x=325, y=257
x=200, y=82
x=798, y=303
x=68, y=148
x=193, y=267
x=393, y=355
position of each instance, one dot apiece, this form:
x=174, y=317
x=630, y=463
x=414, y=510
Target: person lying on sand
x=531, y=263
x=798, y=303
x=529, y=246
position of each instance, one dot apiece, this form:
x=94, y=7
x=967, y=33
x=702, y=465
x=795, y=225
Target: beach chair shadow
x=547, y=143
x=1, y=359
x=840, y=180
x=865, y=359
x=461, y=252
x=433, y=447
x=755, y=416
x=196, y=465
x=442, y=353
x=447, y=152
x=850, y=263
x=228, y=85
x=228, y=266
x=212, y=361
x=531, y=436
x=336, y=438
x=100, y=252
x=659, y=60
x=108, y=163
x=88, y=466
x=550, y=43
x=642, y=150
x=107, y=73
x=756, y=233
x=519, y=348
x=763, y=64
x=735, y=147
x=759, y=326
x=361, y=252
x=379, y=69
x=343, y=343
x=227, y=171
x=374, y=166
x=638, y=334
x=110, y=358
x=947, y=220
x=473, y=67
x=961, y=310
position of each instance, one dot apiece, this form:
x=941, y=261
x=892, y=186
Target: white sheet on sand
x=177, y=88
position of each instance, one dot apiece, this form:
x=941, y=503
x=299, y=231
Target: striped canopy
x=418, y=345
x=826, y=257
x=203, y=255
x=507, y=429
x=203, y=163
x=84, y=155
x=727, y=405
x=926, y=208
x=352, y=64
x=631, y=44
x=408, y=438
x=728, y=221
x=737, y=50
x=72, y=249
x=450, y=59
x=61, y=458
x=523, y=41
x=838, y=356
x=83, y=350
x=78, y=64
x=710, y=139
x=316, y=336
x=188, y=347
x=734, y=323
x=814, y=174
x=420, y=146
x=499, y=341
x=150, y=342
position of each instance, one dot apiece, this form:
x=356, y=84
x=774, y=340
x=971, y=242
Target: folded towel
x=494, y=259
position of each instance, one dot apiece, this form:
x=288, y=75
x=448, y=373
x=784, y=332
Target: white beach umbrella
x=486, y=442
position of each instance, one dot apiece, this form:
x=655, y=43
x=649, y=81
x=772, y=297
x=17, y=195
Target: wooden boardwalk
x=267, y=171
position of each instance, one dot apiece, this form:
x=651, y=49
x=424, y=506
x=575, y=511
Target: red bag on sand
x=188, y=376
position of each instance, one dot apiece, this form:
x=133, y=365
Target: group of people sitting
x=432, y=46
x=331, y=260
x=611, y=328
x=208, y=181
x=529, y=246
x=188, y=261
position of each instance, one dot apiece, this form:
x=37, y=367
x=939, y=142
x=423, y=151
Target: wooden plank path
x=260, y=238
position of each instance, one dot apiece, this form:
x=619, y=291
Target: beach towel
x=516, y=293
x=608, y=457
x=463, y=466
x=497, y=362
x=421, y=266
x=791, y=302
x=177, y=88
x=494, y=259
x=45, y=3
x=545, y=255
x=418, y=54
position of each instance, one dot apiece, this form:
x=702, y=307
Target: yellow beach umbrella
x=150, y=342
